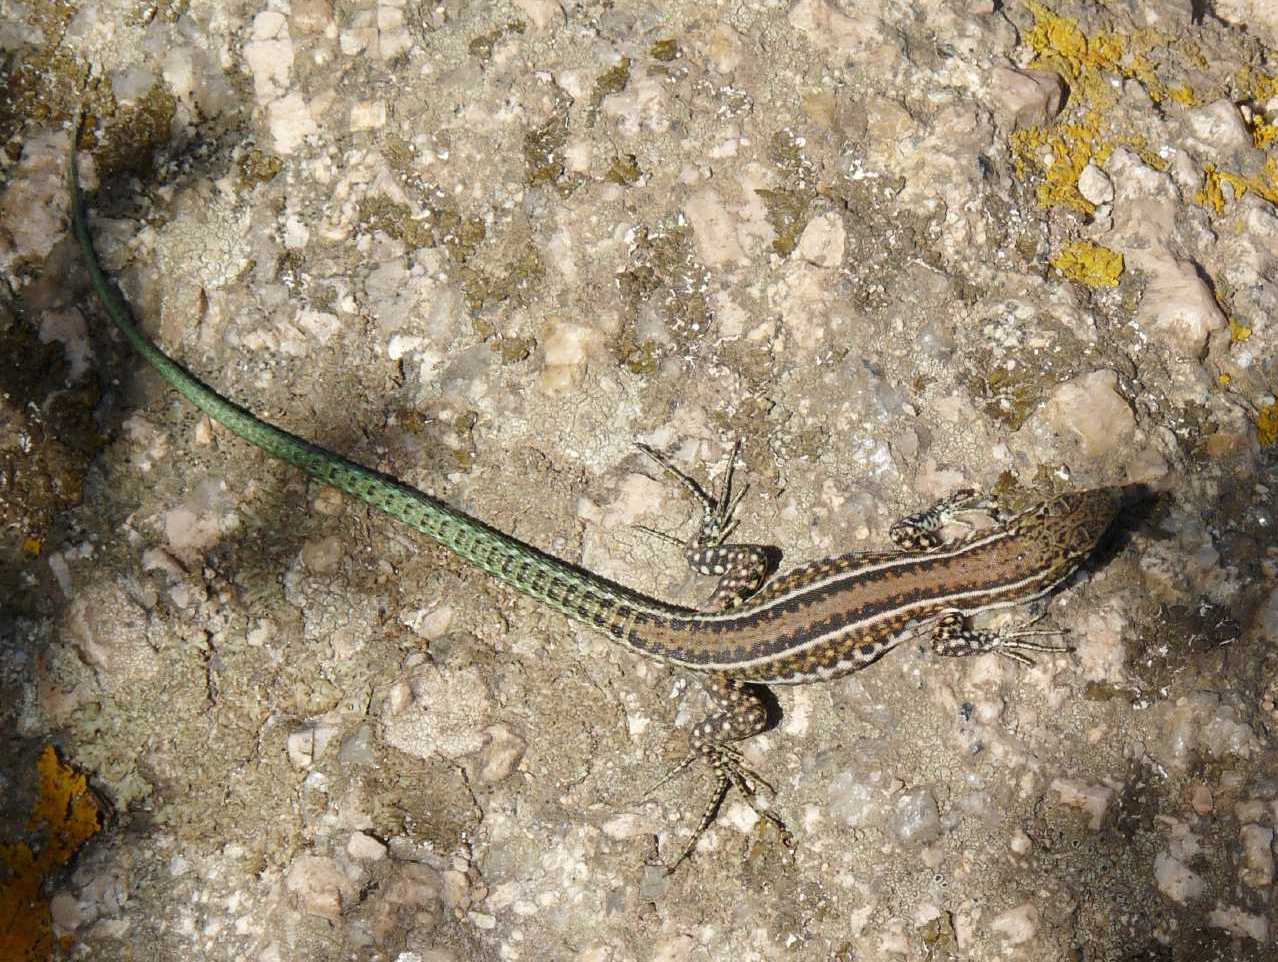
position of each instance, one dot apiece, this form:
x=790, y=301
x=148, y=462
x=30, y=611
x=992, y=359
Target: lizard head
x=1071, y=524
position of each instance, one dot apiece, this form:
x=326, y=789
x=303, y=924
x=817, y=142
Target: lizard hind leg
x=740, y=713
x=954, y=638
x=741, y=568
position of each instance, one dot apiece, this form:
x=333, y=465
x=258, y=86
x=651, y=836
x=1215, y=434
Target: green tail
x=579, y=594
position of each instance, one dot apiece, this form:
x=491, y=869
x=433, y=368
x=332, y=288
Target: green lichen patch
x=481, y=47
x=514, y=349
x=786, y=152
x=544, y=153
x=461, y=236
x=664, y=50
x=49, y=441
x=1011, y=376
x=516, y=280
x=787, y=213
x=886, y=240
x=665, y=278
x=788, y=207
x=624, y=170
x=509, y=348
x=259, y=167
x=1009, y=395
x=638, y=357
x=42, y=85
x=441, y=225
x=138, y=131
x=377, y=213
x=611, y=81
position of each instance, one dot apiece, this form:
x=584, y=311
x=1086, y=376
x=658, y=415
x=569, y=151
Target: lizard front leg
x=922, y=531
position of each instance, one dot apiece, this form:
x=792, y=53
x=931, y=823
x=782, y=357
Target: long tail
x=579, y=594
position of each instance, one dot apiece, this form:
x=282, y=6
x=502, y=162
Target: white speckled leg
x=739, y=711
x=741, y=568
x=953, y=637
x=740, y=714
x=922, y=531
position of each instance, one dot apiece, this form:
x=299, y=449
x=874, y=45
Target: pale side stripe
x=712, y=617
x=867, y=623
x=666, y=611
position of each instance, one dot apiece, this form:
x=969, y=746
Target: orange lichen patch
x=64, y=817
x=1090, y=264
x=1267, y=425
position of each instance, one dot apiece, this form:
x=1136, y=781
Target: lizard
x=817, y=622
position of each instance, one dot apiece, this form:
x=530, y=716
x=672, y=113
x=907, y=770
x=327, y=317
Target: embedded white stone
x=269, y=54
x=1017, y=925
x=715, y=229
x=827, y=28
x=1175, y=879
x=541, y=13
x=1091, y=799
x=1094, y=184
x=1178, y=308
x=290, y=122
x=1219, y=127
x=1258, y=855
x=365, y=848
x=1025, y=98
x=823, y=241
x=368, y=115
x=320, y=885
x=1239, y=923
x=1088, y=414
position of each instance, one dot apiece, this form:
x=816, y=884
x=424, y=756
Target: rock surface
x=895, y=249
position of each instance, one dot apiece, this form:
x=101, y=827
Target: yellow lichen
x=1225, y=379
x=1059, y=43
x=1087, y=63
x=1061, y=151
x=1256, y=85
x=1212, y=193
x=1238, y=332
x=1267, y=425
x=1253, y=88
x=65, y=815
x=1090, y=63
x=1090, y=264
x=1264, y=133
